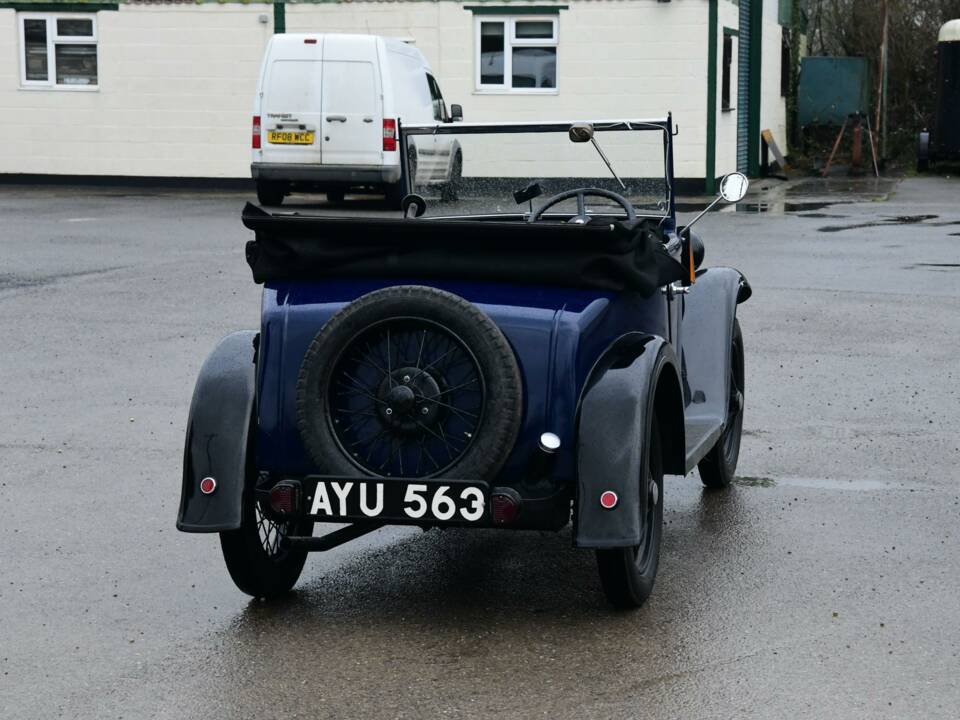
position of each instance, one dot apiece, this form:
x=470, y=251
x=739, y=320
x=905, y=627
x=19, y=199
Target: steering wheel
x=581, y=218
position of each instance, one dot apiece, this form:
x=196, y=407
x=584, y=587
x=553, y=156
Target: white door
x=352, y=114
x=443, y=144
x=291, y=111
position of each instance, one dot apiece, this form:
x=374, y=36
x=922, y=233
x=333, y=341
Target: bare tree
x=854, y=28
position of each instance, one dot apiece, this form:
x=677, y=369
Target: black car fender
x=710, y=308
x=218, y=436
x=635, y=381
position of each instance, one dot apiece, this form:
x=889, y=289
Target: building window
x=726, y=76
x=58, y=51
x=517, y=54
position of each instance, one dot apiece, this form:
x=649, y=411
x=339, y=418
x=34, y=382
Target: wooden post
x=856, y=160
x=836, y=146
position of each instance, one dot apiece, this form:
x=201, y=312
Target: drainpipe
x=710, y=186
x=279, y=16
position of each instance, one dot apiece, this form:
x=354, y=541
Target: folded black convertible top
x=606, y=256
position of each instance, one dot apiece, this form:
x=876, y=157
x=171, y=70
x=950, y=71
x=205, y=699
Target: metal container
x=832, y=89
x=944, y=142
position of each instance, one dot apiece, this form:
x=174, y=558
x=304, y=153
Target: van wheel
x=270, y=193
x=335, y=196
x=451, y=188
x=394, y=195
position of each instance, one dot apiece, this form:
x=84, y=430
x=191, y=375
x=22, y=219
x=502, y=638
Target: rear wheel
x=256, y=555
x=719, y=466
x=394, y=195
x=270, y=193
x=627, y=574
x=451, y=188
x=398, y=190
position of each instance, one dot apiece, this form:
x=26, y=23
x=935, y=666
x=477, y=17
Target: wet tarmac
x=824, y=583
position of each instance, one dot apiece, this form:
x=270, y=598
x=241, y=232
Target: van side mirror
x=456, y=113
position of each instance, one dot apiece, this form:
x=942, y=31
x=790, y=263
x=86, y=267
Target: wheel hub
x=405, y=399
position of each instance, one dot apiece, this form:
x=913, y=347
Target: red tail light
x=256, y=132
x=505, y=505
x=389, y=134
x=285, y=498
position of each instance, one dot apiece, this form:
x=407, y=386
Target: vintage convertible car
x=519, y=369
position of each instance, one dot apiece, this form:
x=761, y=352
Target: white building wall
x=638, y=59
x=176, y=82
x=728, y=16
x=176, y=87
x=773, y=107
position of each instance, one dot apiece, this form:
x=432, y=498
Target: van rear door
x=352, y=106
x=291, y=109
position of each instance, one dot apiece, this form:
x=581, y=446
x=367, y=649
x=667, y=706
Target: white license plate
x=408, y=501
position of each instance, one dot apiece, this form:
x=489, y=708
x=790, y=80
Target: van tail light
x=389, y=134
x=256, y=132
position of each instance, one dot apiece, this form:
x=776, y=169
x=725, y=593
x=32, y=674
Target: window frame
x=726, y=74
x=54, y=39
x=434, y=86
x=510, y=41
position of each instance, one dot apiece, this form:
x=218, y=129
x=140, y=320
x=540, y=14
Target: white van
x=325, y=118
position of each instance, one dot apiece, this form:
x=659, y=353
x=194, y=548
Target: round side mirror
x=733, y=187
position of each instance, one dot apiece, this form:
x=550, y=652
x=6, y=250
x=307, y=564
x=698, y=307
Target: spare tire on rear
x=409, y=381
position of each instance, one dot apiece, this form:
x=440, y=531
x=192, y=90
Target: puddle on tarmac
x=933, y=266
x=748, y=481
x=789, y=207
x=772, y=208
x=885, y=222
x=830, y=484
x=816, y=483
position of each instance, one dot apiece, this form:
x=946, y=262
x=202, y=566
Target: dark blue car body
x=596, y=366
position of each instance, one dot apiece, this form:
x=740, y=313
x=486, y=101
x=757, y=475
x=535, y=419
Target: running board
x=332, y=539
x=701, y=435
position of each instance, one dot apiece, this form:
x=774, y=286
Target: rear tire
x=719, y=466
x=394, y=194
x=398, y=191
x=451, y=189
x=270, y=193
x=628, y=574
x=254, y=554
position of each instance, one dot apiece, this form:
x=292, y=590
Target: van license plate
x=283, y=137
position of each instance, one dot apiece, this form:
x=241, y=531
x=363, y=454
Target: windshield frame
x=664, y=125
